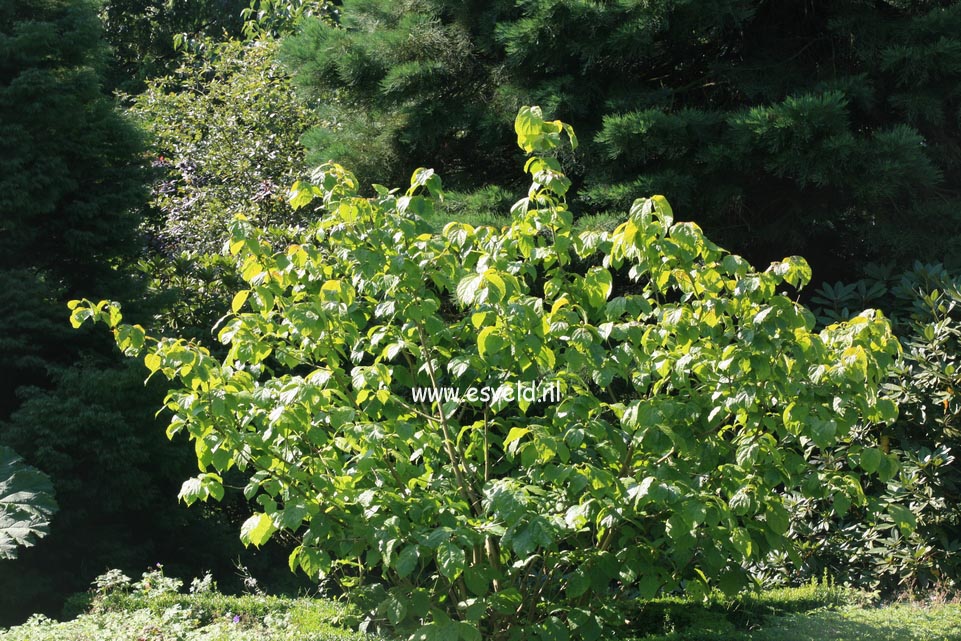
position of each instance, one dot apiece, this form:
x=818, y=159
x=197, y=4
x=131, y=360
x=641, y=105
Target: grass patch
x=898, y=622
x=721, y=615
x=815, y=612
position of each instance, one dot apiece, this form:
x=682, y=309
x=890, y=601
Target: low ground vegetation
x=161, y=608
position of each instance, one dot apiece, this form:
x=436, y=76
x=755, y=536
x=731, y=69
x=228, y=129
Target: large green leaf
x=26, y=504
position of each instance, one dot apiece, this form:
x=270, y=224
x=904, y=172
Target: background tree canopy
x=144, y=34
x=70, y=181
x=826, y=129
x=72, y=194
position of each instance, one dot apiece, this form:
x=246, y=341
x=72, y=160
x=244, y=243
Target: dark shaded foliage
x=826, y=129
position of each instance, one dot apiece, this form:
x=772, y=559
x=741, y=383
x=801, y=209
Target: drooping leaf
x=27, y=504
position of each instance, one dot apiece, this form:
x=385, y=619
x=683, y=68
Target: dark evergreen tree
x=70, y=181
x=828, y=129
x=72, y=187
x=402, y=84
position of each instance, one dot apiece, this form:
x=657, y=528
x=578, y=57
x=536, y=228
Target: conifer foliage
x=70, y=182
x=71, y=188
x=69, y=175
x=824, y=128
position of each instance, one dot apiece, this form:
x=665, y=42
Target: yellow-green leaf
x=239, y=299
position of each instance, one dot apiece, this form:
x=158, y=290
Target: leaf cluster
x=224, y=131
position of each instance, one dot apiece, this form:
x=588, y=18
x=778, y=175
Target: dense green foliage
x=69, y=183
x=224, y=132
x=145, y=34
x=686, y=404
x=828, y=129
x=72, y=191
x=275, y=18
x=874, y=553
x=69, y=166
x=225, y=129
x=149, y=37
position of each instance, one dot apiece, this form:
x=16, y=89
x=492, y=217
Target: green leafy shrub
x=225, y=128
x=924, y=304
x=685, y=404
x=275, y=18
